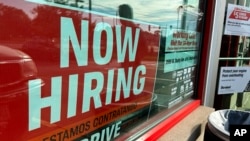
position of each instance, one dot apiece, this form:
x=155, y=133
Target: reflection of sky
x=160, y=12
x=26, y=6
x=156, y=11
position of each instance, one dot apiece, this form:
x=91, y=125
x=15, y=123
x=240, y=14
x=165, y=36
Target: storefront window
x=95, y=70
x=233, y=79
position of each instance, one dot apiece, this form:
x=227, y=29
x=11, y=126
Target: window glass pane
x=234, y=55
x=94, y=69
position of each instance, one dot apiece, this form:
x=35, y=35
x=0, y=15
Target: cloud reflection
x=160, y=12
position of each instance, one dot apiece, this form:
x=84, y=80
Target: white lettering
x=81, y=50
x=110, y=87
x=128, y=80
x=106, y=134
x=89, y=92
x=100, y=27
x=139, y=81
x=95, y=137
x=127, y=84
x=123, y=82
x=68, y=34
x=121, y=50
x=240, y=132
x=72, y=99
x=36, y=103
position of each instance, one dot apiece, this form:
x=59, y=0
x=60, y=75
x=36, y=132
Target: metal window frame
x=214, y=53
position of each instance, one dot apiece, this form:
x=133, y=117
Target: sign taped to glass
x=91, y=75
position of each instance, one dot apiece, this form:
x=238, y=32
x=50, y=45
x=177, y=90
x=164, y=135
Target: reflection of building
x=188, y=16
x=73, y=3
x=76, y=3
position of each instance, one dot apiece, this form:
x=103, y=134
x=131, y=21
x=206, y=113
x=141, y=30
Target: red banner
x=86, y=73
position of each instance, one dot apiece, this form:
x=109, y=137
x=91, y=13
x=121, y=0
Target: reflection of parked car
x=40, y=48
x=16, y=68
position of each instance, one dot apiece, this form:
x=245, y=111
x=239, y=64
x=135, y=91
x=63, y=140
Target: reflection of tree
x=12, y=25
x=15, y=23
x=49, y=18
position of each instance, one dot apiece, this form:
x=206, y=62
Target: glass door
x=232, y=88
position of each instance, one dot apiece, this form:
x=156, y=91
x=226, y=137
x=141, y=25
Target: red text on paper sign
x=240, y=14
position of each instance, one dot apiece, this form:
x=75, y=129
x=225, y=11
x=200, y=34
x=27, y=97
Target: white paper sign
x=234, y=79
x=237, y=20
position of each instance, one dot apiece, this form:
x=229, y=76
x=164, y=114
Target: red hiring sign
x=91, y=73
